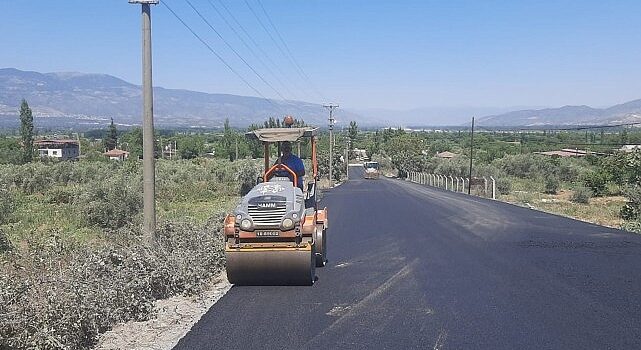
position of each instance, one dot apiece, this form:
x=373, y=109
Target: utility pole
x=148, y=165
x=469, y=183
x=331, y=108
x=347, y=159
x=236, y=139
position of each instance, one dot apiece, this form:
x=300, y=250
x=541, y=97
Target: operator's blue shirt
x=296, y=164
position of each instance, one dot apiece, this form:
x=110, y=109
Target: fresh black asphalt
x=414, y=267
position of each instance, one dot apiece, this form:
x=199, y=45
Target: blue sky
x=362, y=54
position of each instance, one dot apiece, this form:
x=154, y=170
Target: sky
x=398, y=55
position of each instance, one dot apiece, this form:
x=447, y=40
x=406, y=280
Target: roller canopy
x=281, y=134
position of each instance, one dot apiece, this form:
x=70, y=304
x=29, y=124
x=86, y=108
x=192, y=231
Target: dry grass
x=601, y=210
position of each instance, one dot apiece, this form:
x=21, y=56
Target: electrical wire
x=235, y=52
x=271, y=61
x=293, y=59
x=249, y=48
x=262, y=24
x=218, y=56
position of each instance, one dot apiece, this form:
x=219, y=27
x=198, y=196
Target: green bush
x=113, y=203
x=551, y=185
x=338, y=167
x=53, y=296
x=504, y=185
x=632, y=209
x=581, y=195
x=526, y=166
x=631, y=226
x=5, y=243
x=597, y=182
x=458, y=166
x=7, y=205
x=247, y=175
x=62, y=195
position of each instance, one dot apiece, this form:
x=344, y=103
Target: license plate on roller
x=267, y=233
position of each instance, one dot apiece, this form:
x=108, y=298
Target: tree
x=353, y=133
x=132, y=142
x=624, y=136
x=26, y=131
x=229, y=141
x=111, y=140
x=191, y=147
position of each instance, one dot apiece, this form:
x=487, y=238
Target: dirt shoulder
x=174, y=318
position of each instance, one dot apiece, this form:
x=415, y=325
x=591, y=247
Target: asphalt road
x=422, y=268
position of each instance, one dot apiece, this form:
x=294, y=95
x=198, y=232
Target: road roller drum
x=258, y=266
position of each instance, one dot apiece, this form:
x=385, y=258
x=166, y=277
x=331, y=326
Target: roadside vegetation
x=73, y=261
x=602, y=187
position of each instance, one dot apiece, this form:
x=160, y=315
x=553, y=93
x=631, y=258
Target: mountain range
x=78, y=100
x=90, y=100
x=629, y=112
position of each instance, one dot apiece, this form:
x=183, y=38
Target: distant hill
x=86, y=100
x=629, y=112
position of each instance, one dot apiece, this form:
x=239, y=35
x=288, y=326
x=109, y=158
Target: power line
x=250, y=49
x=293, y=59
x=217, y=55
x=257, y=45
x=262, y=24
x=234, y=51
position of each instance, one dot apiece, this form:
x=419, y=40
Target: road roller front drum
x=255, y=266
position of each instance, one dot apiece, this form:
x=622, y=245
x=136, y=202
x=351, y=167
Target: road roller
x=277, y=234
x=372, y=170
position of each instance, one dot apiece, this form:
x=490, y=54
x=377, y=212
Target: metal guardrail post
x=493, y=187
x=485, y=185
x=451, y=183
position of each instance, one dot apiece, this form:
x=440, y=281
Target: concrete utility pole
x=331, y=108
x=469, y=184
x=347, y=159
x=148, y=170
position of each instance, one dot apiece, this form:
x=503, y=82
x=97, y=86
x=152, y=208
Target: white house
x=60, y=149
x=117, y=154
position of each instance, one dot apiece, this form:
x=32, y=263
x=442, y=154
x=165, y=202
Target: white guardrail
x=481, y=186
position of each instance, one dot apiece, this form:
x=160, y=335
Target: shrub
x=504, y=185
x=61, y=195
x=551, y=185
x=247, y=175
x=112, y=203
x=5, y=243
x=52, y=298
x=632, y=209
x=458, y=166
x=338, y=167
x=526, y=165
x=596, y=181
x=581, y=195
x=632, y=226
x=7, y=205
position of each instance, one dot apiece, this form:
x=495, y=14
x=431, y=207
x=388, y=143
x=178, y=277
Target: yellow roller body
x=271, y=266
